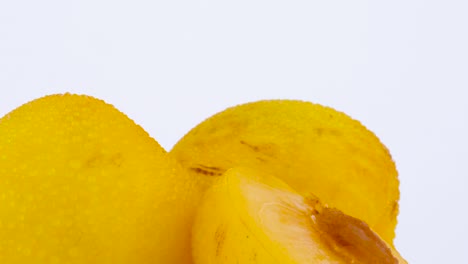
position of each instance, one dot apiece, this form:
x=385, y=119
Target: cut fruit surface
x=82, y=183
x=314, y=149
x=247, y=217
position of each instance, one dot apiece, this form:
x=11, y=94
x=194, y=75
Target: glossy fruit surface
x=248, y=217
x=82, y=183
x=314, y=149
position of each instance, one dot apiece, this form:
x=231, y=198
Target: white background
x=400, y=67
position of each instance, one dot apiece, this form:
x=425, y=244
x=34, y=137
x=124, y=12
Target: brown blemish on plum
x=320, y=131
x=395, y=208
x=252, y=147
x=267, y=150
x=207, y=170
